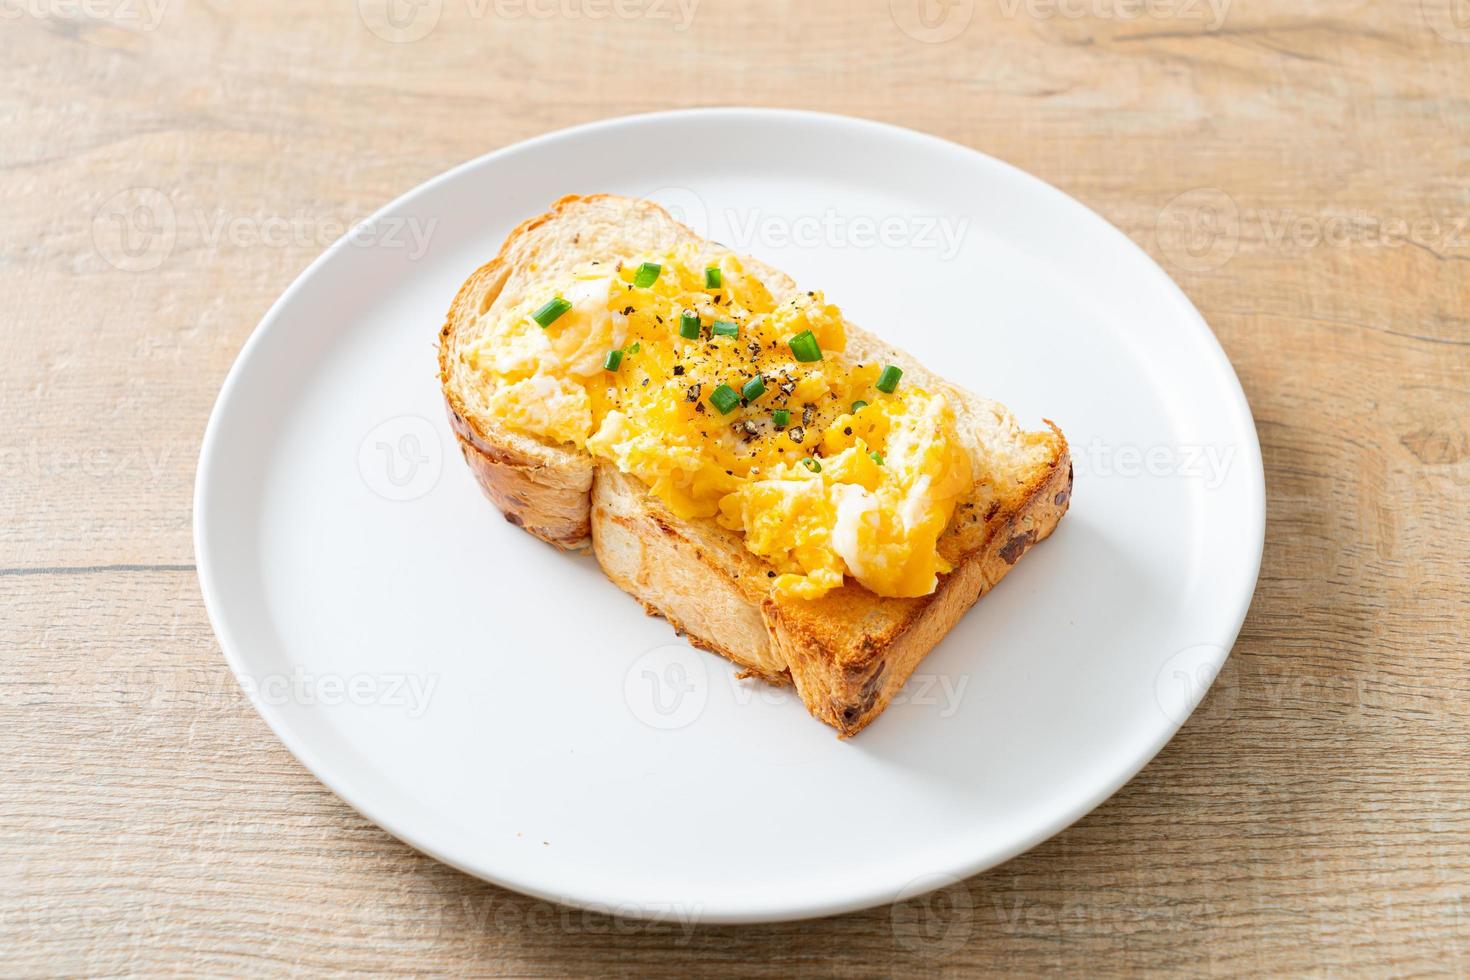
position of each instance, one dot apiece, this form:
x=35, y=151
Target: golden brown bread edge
x=847, y=654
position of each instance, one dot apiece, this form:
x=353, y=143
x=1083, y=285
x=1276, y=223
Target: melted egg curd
x=824, y=466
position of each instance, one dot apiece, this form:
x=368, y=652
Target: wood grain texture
x=1302, y=169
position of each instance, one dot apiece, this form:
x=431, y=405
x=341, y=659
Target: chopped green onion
x=753, y=389
x=613, y=359
x=724, y=328
x=858, y=406
x=689, y=325
x=647, y=275
x=781, y=417
x=804, y=347
x=888, y=380
x=811, y=464
x=634, y=347
x=712, y=278
x=724, y=398
x=551, y=312
x=877, y=458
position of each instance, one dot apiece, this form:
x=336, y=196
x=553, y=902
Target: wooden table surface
x=1301, y=168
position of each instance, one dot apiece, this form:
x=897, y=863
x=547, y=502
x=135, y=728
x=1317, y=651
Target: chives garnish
x=888, y=380
x=724, y=398
x=724, y=328
x=712, y=278
x=753, y=389
x=811, y=464
x=877, y=458
x=804, y=347
x=689, y=325
x=781, y=418
x=858, y=406
x=613, y=359
x=551, y=312
x=647, y=275
x=634, y=347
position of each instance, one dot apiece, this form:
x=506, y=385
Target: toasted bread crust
x=847, y=653
x=548, y=501
x=543, y=489
x=849, y=698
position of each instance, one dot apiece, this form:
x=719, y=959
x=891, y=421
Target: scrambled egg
x=731, y=425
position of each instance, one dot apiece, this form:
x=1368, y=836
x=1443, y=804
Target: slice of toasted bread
x=848, y=652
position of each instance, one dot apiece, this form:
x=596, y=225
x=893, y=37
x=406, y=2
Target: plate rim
x=778, y=909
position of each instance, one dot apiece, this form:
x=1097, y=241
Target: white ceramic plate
x=506, y=709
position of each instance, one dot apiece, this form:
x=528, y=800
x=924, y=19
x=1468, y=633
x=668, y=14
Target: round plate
x=506, y=709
